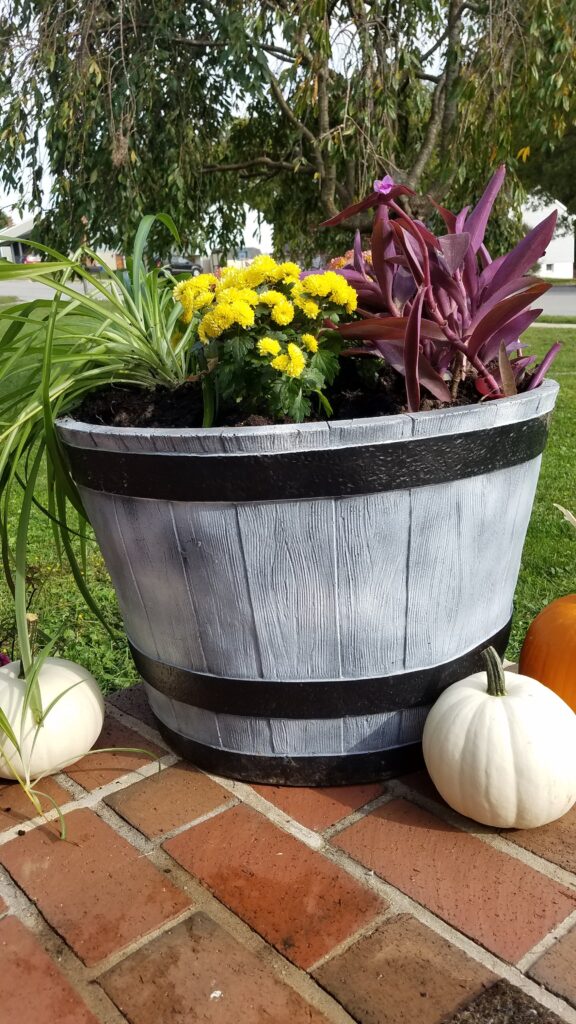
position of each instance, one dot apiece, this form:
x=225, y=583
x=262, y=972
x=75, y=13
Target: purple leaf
x=388, y=326
x=410, y=251
x=357, y=279
x=511, y=332
x=489, y=272
x=478, y=219
x=411, y=353
x=383, y=247
x=374, y=199
x=461, y=220
x=485, y=257
x=526, y=253
x=499, y=316
x=448, y=217
x=393, y=353
x=454, y=249
x=358, y=257
x=404, y=287
x=518, y=286
x=540, y=372
x=422, y=233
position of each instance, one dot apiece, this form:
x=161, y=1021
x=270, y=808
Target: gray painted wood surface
x=290, y=737
x=330, y=588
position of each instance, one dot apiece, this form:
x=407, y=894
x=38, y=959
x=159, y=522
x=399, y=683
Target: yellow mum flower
x=310, y=342
x=201, y=283
x=310, y=308
x=283, y=313
x=290, y=273
x=232, y=293
x=195, y=293
x=268, y=347
x=318, y=284
x=292, y=363
x=225, y=315
x=281, y=307
x=262, y=269
x=231, y=277
x=329, y=285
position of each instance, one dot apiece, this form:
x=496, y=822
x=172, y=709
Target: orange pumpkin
x=549, y=650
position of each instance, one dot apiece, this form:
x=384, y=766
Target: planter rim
x=546, y=390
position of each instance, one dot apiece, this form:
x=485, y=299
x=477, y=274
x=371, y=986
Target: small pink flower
x=4, y=659
x=384, y=185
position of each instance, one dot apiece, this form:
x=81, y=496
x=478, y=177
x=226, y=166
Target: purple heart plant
x=440, y=309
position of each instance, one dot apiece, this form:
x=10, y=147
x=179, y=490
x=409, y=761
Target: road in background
x=25, y=290
x=559, y=301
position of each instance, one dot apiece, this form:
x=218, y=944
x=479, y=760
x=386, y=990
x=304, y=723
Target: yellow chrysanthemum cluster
x=310, y=342
x=262, y=270
x=195, y=293
x=281, y=309
x=268, y=347
x=291, y=362
x=227, y=312
x=234, y=297
x=327, y=285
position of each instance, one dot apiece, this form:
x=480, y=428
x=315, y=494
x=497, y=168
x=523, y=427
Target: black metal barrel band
x=315, y=770
x=320, y=473
x=338, y=698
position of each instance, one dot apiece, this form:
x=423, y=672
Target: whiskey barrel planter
x=296, y=597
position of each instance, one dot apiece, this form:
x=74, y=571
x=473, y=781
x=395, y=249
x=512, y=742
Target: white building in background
x=560, y=256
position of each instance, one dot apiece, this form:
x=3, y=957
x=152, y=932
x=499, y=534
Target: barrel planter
x=296, y=597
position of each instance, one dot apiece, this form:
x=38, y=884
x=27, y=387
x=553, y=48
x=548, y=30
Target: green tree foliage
x=294, y=108
x=551, y=169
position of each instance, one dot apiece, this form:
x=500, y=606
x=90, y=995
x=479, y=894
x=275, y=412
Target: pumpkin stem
x=495, y=672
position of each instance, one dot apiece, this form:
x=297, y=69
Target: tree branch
x=288, y=112
x=265, y=161
x=430, y=136
x=452, y=67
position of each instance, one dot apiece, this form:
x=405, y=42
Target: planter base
x=338, y=770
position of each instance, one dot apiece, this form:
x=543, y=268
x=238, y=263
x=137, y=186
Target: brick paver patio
x=180, y=898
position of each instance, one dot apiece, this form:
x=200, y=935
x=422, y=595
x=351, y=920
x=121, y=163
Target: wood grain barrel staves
x=332, y=566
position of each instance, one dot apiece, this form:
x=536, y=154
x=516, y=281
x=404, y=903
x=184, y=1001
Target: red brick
x=32, y=988
x=297, y=899
x=16, y=807
x=95, y=889
x=556, y=969
x=174, y=797
x=555, y=842
x=198, y=972
x=422, y=784
x=495, y=899
x=322, y=807
x=97, y=770
x=133, y=701
x=402, y=972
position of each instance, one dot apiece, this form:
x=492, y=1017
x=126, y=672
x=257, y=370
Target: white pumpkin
x=70, y=727
x=501, y=749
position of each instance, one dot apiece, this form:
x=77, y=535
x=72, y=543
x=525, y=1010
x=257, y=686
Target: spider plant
x=120, y=328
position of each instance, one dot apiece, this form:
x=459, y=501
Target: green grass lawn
x=547, y=318
x=548, y=567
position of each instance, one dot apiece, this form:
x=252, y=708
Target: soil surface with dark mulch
x=364, y=387
x=503, y=1003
